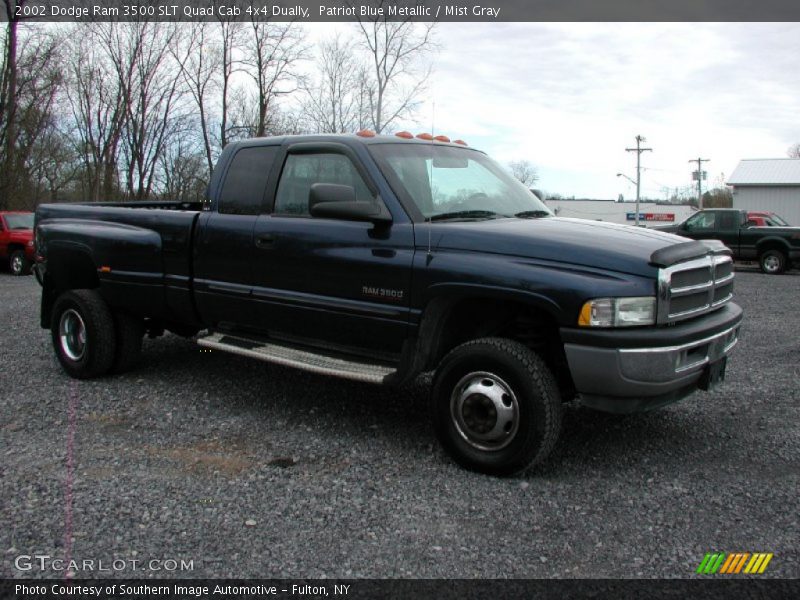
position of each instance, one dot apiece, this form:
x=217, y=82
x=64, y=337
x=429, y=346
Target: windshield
x=445, y=182
x=20, y=221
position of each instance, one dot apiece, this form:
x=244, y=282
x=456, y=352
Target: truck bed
x=142, y=252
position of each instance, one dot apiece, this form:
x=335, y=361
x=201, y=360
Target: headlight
x=30, y=242
x=618, y=312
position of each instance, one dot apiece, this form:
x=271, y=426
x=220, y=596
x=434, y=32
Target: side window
x=301, y=171
x=703, y=221
x=246, y=179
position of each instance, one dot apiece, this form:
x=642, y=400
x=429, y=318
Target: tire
x=18, y=263
x=495, y=406
x=129, y=331
x=83, y=333
x=772, y=262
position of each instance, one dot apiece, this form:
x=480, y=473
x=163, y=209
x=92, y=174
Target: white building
x=650, y=213
x=771, y=184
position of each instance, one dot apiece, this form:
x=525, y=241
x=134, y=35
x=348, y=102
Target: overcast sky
x=571, y=97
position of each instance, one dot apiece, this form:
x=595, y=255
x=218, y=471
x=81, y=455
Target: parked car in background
x=759, y=238
x=763, y=218
x=16, y=241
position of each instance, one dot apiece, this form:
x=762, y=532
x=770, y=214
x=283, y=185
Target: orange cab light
x=460, y=142
x=425, y=136
x=406, y=135
x=366, y=133
x=442, y=138
x=105, y=269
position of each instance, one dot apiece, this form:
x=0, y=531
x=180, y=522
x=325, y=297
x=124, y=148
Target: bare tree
x=183, y=172
x=30, y=79
x=271, y=58
x=96, y=98
x=201, y=60
x=524, y=171
x=230, y=41
x=334, y=102
x=397, y=78
x=150, y=82
x=794, y=151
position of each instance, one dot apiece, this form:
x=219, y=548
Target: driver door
x=323, y=280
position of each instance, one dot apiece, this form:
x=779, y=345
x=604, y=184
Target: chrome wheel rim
x=72, y=334
x=16, y=265
x=485, y=411
x=771, y=263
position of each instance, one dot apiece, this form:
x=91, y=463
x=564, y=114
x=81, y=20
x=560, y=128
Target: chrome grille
x=694, y=287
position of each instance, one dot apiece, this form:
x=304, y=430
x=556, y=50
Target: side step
x=291, y=356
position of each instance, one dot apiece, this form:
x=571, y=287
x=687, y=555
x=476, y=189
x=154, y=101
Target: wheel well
x=773, y=245
x=70, y=270
x=14, y=247
x=472, y=318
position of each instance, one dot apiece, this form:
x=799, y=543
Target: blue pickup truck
x=378, y=258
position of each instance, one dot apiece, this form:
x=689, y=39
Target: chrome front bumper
x=624, y=373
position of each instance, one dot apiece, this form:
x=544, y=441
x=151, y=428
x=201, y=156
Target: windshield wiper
x=464, y=214
x=532, y=214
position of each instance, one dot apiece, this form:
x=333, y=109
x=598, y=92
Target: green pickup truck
x=775, y=248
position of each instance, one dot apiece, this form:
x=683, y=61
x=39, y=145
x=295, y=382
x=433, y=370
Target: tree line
x=130, y=111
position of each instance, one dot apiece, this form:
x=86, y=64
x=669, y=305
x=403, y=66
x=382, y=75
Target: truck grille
x=695, y=287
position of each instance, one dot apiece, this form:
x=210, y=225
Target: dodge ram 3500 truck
x=377, y=258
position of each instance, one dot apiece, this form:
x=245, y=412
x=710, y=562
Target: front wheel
x=84, y=338
x=18, y=264
x=772, y=262
x=495, y=406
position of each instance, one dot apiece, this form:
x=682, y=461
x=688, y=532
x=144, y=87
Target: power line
x=638, y=150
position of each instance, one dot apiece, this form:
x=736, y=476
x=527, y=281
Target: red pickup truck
x=16, y=241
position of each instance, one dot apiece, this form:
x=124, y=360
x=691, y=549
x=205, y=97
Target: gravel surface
x=252, y=470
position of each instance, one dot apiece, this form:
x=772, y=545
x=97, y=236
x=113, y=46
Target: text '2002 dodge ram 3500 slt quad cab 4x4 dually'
x=377, y=258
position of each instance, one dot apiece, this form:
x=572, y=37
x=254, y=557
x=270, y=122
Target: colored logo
x=733, y=563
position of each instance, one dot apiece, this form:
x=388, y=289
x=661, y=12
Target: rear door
x=335, y=282
x=728, y=223
x=224, y=249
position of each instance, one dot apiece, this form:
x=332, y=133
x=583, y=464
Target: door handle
x=265, y=242
x=383, y=252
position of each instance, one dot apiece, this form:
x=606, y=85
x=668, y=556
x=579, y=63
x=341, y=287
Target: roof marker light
x=460, y=142
x=425, y=136
x=406, y=135
x=442, y=138
x=367, y=133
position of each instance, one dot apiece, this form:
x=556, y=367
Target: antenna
x=430, y=177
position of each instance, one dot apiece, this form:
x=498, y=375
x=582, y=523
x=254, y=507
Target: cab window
x=703, y=221
x=301, y=171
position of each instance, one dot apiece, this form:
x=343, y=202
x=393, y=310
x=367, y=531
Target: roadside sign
x=651, y=216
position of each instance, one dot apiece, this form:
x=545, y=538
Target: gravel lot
x=252, y=470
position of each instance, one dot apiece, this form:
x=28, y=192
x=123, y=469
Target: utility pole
x=699, y=175
x=638, y=150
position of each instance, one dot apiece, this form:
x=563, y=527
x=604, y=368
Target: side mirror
x=333, y=201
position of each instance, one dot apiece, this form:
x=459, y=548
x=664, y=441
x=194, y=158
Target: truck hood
x=609, y=246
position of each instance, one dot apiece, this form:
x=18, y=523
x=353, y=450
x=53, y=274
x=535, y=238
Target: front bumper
x=639, y=369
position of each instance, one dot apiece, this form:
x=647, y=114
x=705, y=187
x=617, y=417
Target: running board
x=290, y=356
